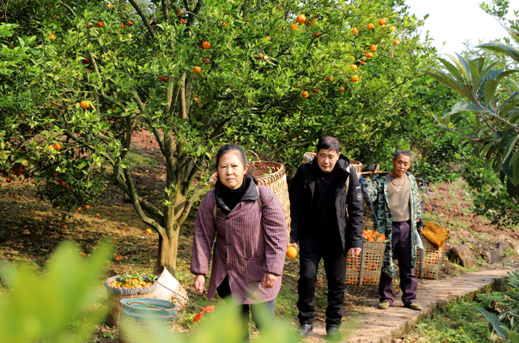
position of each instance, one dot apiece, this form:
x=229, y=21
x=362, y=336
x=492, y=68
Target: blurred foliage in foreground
x=64, y=301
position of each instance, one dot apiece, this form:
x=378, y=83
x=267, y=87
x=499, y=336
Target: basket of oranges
x=128, y=286
x=365, y=269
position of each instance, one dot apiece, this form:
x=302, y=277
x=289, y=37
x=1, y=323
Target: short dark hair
x=404, y=152
x=329, y=143
x=232, y=147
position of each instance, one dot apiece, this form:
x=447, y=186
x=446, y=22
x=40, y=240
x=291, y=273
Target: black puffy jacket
x=301, y=195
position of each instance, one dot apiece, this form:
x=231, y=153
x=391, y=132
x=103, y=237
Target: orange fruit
x=148, y=231
x=373, y=48
x=354, y=31
x=79, y=209
x=291, y=252
x=353, y=67
x=371, y=26
x=118, y=258
x=293, y=26
x=329, y=79
x=354, y=78
x=108, y=5
x=107, y=212
x=100, y=24
x=182, y=21
x=206, y=45
x=305, y=94
x=316, y=34
x=315, y=91
x=83, y=254
x=195, y=99
x=54, y=175
x=130, y=23
x=301, y=18
x=382, y=21
x=369, y=54
x=87, y=207
x=65, y=227
x=341, y=89
x=97, y=214
x=123, y=26
x=392, y=29
x=197, y=69
x=259, y=57
x=268, y=37
x=57, y=146
x=396, y=42
x=207, y=60
x=224, y=24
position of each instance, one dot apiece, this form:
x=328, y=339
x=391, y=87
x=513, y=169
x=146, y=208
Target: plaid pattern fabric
x=250, y=241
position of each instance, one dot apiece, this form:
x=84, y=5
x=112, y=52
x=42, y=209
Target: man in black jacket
x=319, y=222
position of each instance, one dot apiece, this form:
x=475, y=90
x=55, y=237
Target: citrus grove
x=79, y=78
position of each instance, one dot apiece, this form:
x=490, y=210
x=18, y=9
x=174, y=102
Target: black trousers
x=224, y=291
x=313, y=249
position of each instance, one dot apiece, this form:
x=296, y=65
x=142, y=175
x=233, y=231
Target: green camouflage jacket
x=377, y=189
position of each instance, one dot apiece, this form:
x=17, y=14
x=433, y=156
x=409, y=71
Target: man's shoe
x=333, y=333
x=414, y=306
x=384, y=305
x=305, y=329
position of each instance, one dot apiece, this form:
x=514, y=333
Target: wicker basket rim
x=276, y=175
x=128, y=291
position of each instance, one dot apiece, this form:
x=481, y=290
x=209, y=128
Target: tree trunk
x=167, y=254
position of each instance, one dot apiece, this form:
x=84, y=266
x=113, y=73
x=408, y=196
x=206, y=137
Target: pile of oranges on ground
x=134, y=280
x=373, y=236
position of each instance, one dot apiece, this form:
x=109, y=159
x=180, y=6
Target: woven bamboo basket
x=272, y=175
x=137, y=314
x=365, y=269
x=309, y=156
x=116, y=294
x=429, y=263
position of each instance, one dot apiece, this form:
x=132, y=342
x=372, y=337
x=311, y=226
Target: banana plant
x=489, y=115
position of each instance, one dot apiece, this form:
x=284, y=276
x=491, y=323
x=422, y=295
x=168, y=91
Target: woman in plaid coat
x=249, y=225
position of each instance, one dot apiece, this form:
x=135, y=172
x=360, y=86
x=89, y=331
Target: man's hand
x=199, y=284
x=372, y=168
x=269, y=280
x=293, y=245
x=355, y=251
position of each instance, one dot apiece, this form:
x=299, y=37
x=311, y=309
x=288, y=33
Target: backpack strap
x=347, y=188
x=259, y=203
x=347, y=185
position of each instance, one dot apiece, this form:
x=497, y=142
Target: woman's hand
x=355, y=251
x=269, y=280
x=199, y=284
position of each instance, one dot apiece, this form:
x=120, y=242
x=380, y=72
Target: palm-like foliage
x=506, y=324
x=489, y=117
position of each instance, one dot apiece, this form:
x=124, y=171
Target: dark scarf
x=231, y=197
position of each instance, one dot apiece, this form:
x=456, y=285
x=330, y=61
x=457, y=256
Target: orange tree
x=78, y=78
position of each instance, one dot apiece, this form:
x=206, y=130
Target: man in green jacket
x=396, y=201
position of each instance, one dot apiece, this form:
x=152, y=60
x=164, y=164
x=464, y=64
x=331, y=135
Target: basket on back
x=356, y=165
x=273, y=176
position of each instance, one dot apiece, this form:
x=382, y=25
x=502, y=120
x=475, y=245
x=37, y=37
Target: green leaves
x=501, y=47
x=42, y=306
